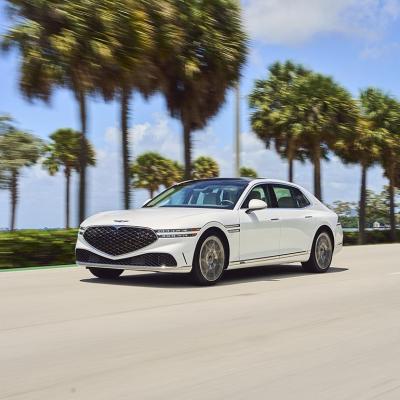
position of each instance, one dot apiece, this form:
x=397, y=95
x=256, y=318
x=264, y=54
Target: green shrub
x=27, y=248
x=372, y=237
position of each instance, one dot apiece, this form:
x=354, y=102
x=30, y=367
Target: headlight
x=81, y=230
x=176, y=233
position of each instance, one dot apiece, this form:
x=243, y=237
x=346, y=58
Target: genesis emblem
x=120, y=220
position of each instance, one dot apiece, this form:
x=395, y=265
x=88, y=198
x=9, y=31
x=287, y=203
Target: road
x=264, y=333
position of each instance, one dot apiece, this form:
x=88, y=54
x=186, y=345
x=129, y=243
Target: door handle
x=274, y=219
x=308, y=216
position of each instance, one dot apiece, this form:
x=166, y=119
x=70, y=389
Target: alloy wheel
x=323, y=251
x=212, y=258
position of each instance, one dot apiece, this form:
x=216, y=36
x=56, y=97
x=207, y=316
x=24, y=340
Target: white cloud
x=296, y=21
x=377, y=51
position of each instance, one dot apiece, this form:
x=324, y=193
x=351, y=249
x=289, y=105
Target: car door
x=259, y=229
x=297, y=219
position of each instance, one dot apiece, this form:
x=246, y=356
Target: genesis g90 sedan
x=203, y=227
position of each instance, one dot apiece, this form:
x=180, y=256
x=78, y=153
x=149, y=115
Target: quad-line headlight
x=176, y=233
x=81, y=230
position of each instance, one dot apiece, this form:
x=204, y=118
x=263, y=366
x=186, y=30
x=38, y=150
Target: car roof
x=242, y=179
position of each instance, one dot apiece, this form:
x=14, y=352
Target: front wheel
x=209, y=261
x=106, y=273
x=321, y=254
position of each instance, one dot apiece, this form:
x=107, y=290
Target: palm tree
x=151, y=170
x=175, y=174
x=4, y=128
x=362, y=148
x=248, y=172
x=384, y=111
x=205, y=167
x=4, y=122
x=60, y=45
x=128, y=64
x=63, y=152
x=324, y=112
x=270, y=121
x=390, y=151
x=17, y=150
x=207, y=62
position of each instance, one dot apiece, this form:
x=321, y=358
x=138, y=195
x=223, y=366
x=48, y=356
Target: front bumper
x=182, y=270
x=181, y=249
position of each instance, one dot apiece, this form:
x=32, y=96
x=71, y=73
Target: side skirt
x=301, y=256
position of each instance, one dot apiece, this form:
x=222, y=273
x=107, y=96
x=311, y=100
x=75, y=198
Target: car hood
x=160, y=218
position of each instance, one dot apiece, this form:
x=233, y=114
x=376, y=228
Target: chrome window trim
x=250, y=188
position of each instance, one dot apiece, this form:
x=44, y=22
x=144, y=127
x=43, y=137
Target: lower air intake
x=144, y=260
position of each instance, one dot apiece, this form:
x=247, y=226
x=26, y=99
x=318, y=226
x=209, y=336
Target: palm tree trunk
x=363, y=198
x=392, y=207
x=151, y=192
x=317, y=171
x=125, y=94
x=82, y=157
x=67, y=196
x=187, y=151
x=290, y=157
x=13, y=198
x=291, y=165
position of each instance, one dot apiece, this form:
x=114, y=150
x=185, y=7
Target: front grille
x=144, y=260
x=118, y=240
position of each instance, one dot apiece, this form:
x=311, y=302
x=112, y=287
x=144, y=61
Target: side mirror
x=256, y=204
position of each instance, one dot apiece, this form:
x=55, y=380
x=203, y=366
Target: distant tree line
x=150, y=171
x=376, y=210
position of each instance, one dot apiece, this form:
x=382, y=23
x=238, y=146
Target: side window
x=300, y=199
x=258, y=192
x=289, y=197
x=284, y=197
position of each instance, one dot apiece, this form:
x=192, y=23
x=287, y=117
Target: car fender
x=231, y=233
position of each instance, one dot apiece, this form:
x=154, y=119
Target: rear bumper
x=338, y=238
x=338, y=248
x=182, y=269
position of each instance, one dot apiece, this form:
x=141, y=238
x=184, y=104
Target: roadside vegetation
x=32, y=247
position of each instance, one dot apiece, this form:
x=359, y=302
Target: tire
x=321, y=254
x=106, y=273
x=209, y=260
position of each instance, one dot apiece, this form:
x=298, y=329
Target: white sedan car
x=203, y=227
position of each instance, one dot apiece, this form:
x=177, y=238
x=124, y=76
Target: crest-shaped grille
x=118, y=240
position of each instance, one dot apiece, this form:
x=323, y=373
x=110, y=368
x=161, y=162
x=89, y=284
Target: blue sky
x=355, y=41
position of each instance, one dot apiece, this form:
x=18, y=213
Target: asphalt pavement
x=262, y=333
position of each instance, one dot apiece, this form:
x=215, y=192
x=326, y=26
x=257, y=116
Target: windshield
x=201, y=194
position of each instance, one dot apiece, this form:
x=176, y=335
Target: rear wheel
x=321, y=254
x=106, y=273
x=209, y=261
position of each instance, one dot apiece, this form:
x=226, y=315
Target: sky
x=357, y=42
